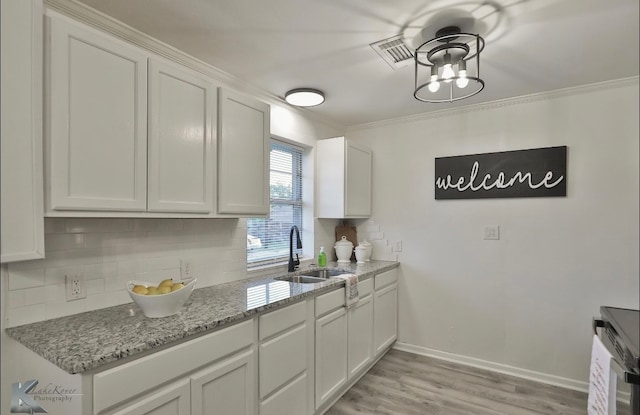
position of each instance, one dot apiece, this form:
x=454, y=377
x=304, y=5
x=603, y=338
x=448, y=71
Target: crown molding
x=98, y=20
x=616, y=83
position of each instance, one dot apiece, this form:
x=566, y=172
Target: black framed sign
x=539, y=172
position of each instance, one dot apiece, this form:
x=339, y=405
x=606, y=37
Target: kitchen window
x=268, y=238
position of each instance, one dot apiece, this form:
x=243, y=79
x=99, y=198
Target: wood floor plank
x=403, y=383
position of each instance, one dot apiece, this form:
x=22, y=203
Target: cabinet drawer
x=282, y=358
x=127, y=380
x=292, y=399
x=330, y=301
x=282, y=319
x=386, y=278
x=365, y=287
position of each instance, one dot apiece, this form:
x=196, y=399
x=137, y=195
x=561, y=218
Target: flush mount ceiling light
x=304, y=97
x=447, y=67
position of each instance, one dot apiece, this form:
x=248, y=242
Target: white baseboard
x=504, y=369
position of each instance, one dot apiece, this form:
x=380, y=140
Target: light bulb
x=462, y=80
x=434, y=85
x=447, y=72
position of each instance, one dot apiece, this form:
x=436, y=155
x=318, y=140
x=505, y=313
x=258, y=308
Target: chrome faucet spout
x=293, y=263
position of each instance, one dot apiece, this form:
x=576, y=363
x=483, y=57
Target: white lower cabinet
x=283, y=356
x=348, y=341
x=360, y=335
x=385, y=310
x=213, y=373
x=331, y=351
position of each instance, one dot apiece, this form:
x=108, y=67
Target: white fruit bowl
x=161, y=305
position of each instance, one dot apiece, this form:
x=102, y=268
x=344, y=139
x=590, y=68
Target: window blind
x=268, y=238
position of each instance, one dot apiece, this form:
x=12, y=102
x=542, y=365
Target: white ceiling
x=531, y=45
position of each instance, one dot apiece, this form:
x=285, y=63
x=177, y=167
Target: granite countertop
x=86, y=341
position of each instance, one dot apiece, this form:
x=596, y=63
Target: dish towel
x=351, y=288
x=602, y=381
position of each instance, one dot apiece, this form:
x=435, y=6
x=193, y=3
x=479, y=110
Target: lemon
x=164, y=289
x=177, y=286
x=140, y=289
x=166, y=283
x=153, y=290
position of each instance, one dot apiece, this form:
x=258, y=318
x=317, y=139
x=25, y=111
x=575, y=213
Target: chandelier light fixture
x=447, y=67
x=304, y=97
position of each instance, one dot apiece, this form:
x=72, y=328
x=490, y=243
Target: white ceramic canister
x=368, y=249
x=361, y=254
x=343, y=248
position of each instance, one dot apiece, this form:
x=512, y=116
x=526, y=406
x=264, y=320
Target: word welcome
x=539, y=172
x=499, y=182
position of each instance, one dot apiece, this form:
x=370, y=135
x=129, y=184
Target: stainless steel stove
x=620, y=334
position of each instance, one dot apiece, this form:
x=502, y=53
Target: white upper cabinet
x=243, y=154
x=22, y=209
x=97, y=101
x=181, y=152
x=343, y=179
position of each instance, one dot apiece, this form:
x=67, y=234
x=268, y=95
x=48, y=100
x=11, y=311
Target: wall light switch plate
x=398, y=246
x=492, y=233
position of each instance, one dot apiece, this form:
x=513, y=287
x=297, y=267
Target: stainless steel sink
x=312, y=277
x=324, y=273
x=301, y=279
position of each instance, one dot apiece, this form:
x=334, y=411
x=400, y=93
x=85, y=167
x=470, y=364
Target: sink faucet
x=293, y=263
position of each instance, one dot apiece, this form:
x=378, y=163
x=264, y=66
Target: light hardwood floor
x=405, y=384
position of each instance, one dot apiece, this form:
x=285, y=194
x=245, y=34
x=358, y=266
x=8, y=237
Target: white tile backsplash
x=111, y=251
x=26, y=314
x=26, y=278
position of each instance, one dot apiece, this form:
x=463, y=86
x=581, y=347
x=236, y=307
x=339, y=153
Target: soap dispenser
x=322, y=258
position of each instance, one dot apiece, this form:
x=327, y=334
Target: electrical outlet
x=492, y=232
x=76, y=286
x=186, y=269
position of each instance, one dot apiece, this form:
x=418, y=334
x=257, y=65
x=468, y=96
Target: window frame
x=296, y=203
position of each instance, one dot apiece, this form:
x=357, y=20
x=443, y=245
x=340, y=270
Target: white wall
x=523, y=303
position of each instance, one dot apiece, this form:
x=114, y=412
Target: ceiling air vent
x=393, y=51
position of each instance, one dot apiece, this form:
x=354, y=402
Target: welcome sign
x=540, y=172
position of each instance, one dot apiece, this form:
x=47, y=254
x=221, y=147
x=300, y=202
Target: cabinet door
x=173, y=399
x=385, y=317
x=358, y=181
x=331, y=355
x=97, y=101
x=181, y=106
x=226, y=387
x=243, y=155
x=360, y=337
x=282, y=358
x=21, y=210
